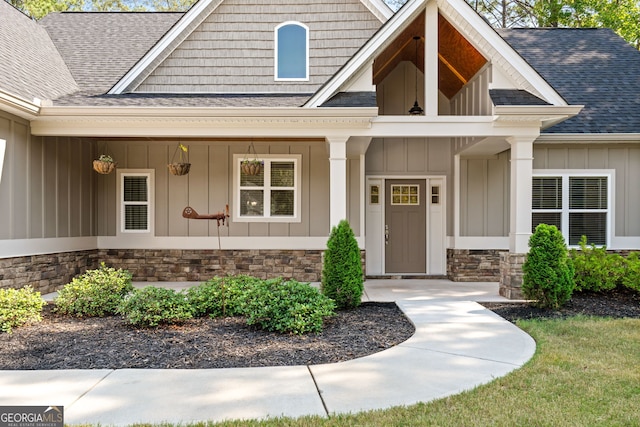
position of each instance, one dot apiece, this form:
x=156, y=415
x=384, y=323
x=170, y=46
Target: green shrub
x=19, y=307
x=342, y=279
x=548, y=271
x=219, y=296
x=631, y=278
x=151, y=306
x=95, y=293
x=596, y=270
x=287, y=307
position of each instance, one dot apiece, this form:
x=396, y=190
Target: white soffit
x=167, y=44
x=379, y=9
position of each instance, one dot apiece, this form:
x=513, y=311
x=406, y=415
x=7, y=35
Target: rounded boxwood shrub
x=151, y=306
x=287, y=307
x=342, y=278
x=219, y=296
x=95, y=293
x=19, y=307
x=548, y=271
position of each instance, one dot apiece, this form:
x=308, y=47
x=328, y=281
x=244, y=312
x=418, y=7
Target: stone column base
x=511, y=275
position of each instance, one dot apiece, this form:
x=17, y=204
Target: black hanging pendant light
x=416, y=110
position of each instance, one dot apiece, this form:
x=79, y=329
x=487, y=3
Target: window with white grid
x=135, y=202
x=577, y=203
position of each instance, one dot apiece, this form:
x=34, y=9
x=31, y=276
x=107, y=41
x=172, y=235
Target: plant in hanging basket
x=182, y=167
x=251, y=167
x=104, y=165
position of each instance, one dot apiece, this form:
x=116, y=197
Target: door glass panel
x=405, y=195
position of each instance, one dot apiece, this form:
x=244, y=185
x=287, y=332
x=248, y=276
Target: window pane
x=135, y=188
x=547, y=193
x=135, y=217
x=590, y=224
x=549, y=218
x=292, y=52
x=252, y=180
x=282, y=174
x=588, y=193
x=282, y=203
x=251, y=203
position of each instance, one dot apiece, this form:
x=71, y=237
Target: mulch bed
x=108, y=343
x=618, y=303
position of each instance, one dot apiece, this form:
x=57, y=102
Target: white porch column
x=337, y=179
x=520, y=208
x=431, y=59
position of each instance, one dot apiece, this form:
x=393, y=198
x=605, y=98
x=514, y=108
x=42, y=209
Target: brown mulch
x=108, y=343
x=618, y=303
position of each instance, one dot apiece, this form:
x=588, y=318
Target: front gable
x=229, y=47
x=467, y=46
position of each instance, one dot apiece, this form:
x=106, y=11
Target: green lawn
x=586, y=372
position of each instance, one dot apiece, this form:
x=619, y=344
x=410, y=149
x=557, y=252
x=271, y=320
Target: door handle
x=386, y=234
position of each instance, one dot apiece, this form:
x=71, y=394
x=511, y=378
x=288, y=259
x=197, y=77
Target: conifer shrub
x=19, y=307
x=596, y=270
x=220, y=296
x=342, y=278
x=286, y=306
x=151, y=306
x=548, y=270
x=95, y=293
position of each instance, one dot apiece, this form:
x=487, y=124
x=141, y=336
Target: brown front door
x=405, y=226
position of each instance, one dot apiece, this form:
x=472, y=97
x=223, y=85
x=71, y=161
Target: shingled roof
x=590, y=67
x=100, y=47
x=30, y=65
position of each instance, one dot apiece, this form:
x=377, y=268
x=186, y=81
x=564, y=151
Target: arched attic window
x=292, y=51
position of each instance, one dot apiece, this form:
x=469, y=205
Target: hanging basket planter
x=251, y=166
x=104, y=165
x=179, y=169
x=182, y=167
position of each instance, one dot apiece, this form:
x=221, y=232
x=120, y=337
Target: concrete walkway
x=457, y=346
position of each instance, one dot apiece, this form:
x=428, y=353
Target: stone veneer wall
x=178, y=265
x=473, y=265
x=511, y=275
x=45, y=273
x=48, y=273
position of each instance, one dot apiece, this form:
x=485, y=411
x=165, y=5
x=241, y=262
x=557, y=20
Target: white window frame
x=150, y=175
x=565, y=174
x=276, y=53
x=268, y=159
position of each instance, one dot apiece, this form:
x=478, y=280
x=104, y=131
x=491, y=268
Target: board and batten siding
x=484, y=195
x=47, y=184
x=232, y=51
x=623, y=158
x=209, y=185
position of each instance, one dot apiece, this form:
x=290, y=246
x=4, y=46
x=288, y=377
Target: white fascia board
x=546, y=115
x=379, y=8
x=202, y=122
x=19, y=106
x=581, y=138
x=366, y=54
x=192, y=18
x=508, y=53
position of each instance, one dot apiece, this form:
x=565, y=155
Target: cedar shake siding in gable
x=233, y=50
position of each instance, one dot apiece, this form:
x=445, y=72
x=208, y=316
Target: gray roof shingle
x=100, y=47
x=514, y=97
x=30, y=65
x=352, y=99
x=590, y=67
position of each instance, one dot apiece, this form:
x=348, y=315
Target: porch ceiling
x=458, y=60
